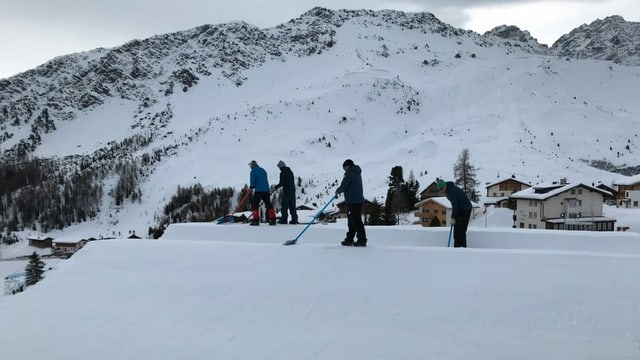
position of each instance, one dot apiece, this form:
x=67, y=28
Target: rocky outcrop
x=612, y=39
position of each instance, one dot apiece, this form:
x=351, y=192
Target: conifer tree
x=412, y=188
x=402, y=195
x=388, y=217
x=396, y=199
x=34, y=269
x=465, y=175
x=375, y=213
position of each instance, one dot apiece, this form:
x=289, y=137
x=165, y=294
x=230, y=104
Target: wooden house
x=67, y=247
x=431, y=191
x=498, y=193
x=41, y=242
x=609, y=199
x=628, y=192
x=434, y=211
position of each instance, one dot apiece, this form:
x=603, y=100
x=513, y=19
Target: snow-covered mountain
x=612, y=39
x=385, y=88
x=514, y=36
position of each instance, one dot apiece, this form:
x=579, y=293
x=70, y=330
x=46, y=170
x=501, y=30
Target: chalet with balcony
x=41, y=242
x=498, y=193
x=562, y=206
x=67, y=247
x=628, y=192
x=610, y=199
x=431, y=191
x=434, y=211
x=433, y=208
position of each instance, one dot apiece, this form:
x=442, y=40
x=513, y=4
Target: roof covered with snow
x=440, y=200
x=548, y=190
x=506, y=179
x=630, y=180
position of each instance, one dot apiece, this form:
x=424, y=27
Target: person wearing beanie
x=351, y=186
x=288, y=202
x=460, y=211
x=259, y=183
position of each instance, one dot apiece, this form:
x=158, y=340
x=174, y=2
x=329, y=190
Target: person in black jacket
x=288, y=185
x=351, y=186
x=460, y=211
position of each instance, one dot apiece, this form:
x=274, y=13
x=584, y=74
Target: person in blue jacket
x=351, y=186
x=460, y=211
x=259, y=183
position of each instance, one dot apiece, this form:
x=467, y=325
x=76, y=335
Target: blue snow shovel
x=450, y=231
x=291, y=242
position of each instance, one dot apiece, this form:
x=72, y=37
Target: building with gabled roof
x=628, y=191
x=42, y=242
x=498, y=192
x=67, y=246
x=560, y=205
x=434, y=211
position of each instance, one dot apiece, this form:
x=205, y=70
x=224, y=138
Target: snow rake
x=292, y=242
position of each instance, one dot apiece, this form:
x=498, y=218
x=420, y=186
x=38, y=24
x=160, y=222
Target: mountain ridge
x=324, y=82
x=610, y=39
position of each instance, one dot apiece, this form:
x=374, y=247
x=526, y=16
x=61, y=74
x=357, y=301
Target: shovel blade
x=290, y=242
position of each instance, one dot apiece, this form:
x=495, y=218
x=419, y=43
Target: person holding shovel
x=351, y=187
x=460, y=211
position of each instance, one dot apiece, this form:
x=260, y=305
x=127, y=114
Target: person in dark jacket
x=259, y=182
x=460, y=211
x=288, y=185
x=351, y=186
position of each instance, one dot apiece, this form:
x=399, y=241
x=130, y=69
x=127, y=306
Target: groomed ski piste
x=208, y=291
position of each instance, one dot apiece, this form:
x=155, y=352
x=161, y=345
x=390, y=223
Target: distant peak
x=514, y=33
x=612, y=39
x=511, y=32
x=614, y=18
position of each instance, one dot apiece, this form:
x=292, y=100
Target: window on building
x=573, y=203
x=579, y=191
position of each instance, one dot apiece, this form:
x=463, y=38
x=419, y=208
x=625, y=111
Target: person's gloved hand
x=453, y=221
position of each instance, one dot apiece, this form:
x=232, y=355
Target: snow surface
x=207, y=291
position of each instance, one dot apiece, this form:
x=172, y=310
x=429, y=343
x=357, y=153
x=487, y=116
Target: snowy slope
x=383, y=88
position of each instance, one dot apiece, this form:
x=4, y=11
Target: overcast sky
x=34, y=31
